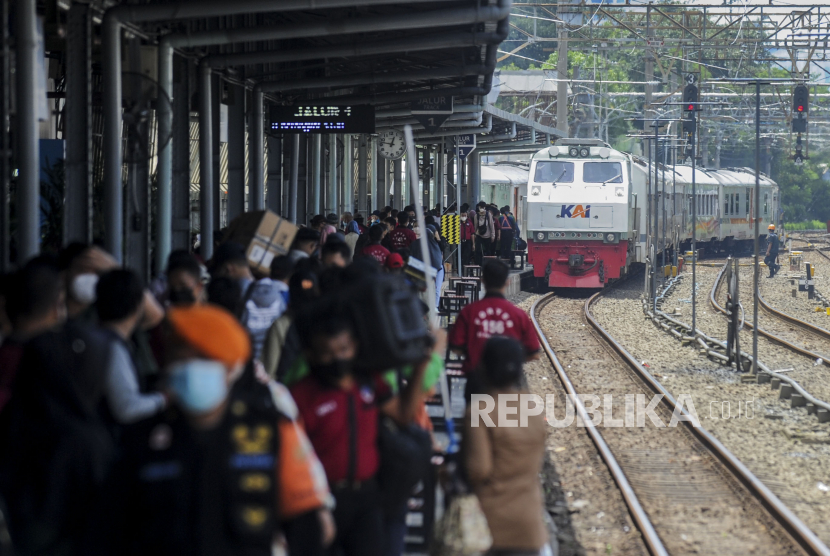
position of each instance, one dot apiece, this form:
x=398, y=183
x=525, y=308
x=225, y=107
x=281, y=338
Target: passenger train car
x=501, y=184
x=587, y=214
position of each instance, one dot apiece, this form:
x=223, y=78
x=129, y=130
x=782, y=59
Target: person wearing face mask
x=184, y=279
x=467, y=235
x=82, y=266
x=485, y=232
x=226, y=469
x=340, y=411
x=119, y=296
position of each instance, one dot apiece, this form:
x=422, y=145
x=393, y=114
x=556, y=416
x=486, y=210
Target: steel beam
x=374, y=79
x=382, y=171
x=216, y=100
x=274, y=182
x=206, y=198
x=332, y=191
x=113, y=21
x=474, y=176
x=397, y=194
x=236, y=152
x=347, y=199
x=362, y=183
x=357, y=49
x=28, y=146
x=257, y=154
x=77, y=211
x=179, y=164
x=5, y=136
x=316, y=171
x=295, y=171
x=374, y=189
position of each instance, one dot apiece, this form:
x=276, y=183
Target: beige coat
x=274, y=342
x=503, y=466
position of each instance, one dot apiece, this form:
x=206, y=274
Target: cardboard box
x=264, y=235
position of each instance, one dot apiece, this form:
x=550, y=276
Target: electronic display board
x=358, y=118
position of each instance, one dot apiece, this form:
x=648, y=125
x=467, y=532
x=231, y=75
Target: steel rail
x=650, y=537
x=783, y=378
x=766, y=333
x=797, y=530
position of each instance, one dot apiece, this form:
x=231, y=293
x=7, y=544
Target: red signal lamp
x=690, y=107
x=800, y=108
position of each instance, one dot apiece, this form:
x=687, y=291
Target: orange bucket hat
x=213, y=331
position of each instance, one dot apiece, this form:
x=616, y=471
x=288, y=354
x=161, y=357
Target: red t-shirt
x=492, y=316
x=377, y=252
x=401, y=238
x=325, y=413
x=466, y=229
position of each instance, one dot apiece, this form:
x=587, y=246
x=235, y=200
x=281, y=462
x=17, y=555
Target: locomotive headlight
x=573, y=152
x=610, y=237
x=619, y=191
x=535, y=190
x=584, y=152
x=540, y=236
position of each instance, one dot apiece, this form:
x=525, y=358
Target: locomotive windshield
x=602, y=172
x=554, y=171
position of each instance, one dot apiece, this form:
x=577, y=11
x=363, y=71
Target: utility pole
x=562, y=76
x=648, y=113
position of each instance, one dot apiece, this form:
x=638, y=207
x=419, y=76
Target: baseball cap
x=394, y=260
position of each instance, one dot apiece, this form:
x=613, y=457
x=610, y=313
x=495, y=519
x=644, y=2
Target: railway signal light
x=690, y=98
x=798, y=157
x=801, y=107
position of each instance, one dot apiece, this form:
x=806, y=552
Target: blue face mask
x=200, y=385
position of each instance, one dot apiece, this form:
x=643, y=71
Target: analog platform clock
x=391, y=143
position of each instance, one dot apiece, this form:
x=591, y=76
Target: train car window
x=766, y=203
x=726, y=205
x=747, y=202
x=554, y=170
x=602, y=172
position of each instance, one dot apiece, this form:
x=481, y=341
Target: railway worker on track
x=492, y=316
x=772, y=251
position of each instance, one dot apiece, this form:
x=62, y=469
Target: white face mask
x=83, y=288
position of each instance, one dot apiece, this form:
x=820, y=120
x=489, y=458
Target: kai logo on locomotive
x=575, y=211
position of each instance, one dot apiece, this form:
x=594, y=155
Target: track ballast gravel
x=695, y=506
x=786, y=448
x=580, y=494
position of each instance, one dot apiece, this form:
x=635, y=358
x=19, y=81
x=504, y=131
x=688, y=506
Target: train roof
x=504, y=174
x=705, y=176
x=741, y=176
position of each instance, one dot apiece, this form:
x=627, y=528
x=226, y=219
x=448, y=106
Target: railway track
x=795, y=334
x=798, y=336
x=685, y=492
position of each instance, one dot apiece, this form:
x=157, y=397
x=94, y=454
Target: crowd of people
x=217, y=410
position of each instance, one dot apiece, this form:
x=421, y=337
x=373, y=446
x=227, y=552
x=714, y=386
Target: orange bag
x=301, y=478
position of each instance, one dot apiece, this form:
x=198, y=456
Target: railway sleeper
x=715, y=349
